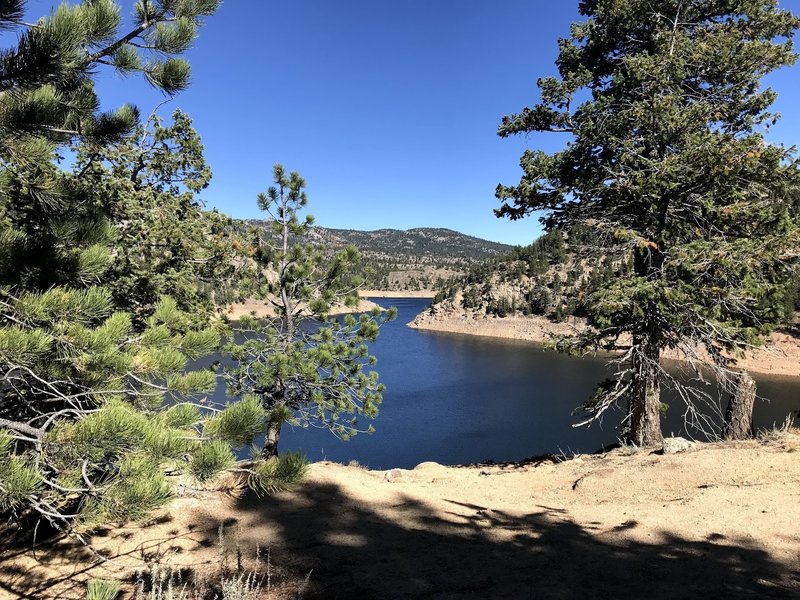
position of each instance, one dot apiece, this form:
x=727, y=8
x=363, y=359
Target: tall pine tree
x=298, y=366
x=667, y=159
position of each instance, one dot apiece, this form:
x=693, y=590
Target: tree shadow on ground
x=354, y=551
x=410, y=549
x=19, y=580
x=54, y=565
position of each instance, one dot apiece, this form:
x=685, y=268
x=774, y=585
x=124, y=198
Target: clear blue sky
x=388, y=109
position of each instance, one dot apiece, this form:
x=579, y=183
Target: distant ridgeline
x=553, y=277
x=416, y=259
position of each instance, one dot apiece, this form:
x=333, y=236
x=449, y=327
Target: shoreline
x=396, y=294
x=261, y=308
x=780, y=355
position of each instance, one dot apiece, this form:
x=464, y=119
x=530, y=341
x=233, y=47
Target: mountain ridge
x=420, y=258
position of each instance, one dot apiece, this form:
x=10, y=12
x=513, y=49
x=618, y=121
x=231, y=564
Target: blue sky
x=388, y=109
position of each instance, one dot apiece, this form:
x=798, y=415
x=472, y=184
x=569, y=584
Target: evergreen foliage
x=165, y=243
x=96, y=393
x=668, y=163
x=554, y=277
x=278, y=473
x=297, y=367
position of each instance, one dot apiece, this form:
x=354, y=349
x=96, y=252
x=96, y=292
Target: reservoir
x=457, y=399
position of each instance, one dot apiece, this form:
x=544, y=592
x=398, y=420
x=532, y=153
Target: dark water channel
x=458, y=399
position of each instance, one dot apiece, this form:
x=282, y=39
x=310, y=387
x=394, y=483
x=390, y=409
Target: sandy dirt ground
x=262, y=308
x=780, y=355
x=715, y=522
x=397, y=294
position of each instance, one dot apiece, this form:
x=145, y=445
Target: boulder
x=393, y=475
x=673, y=445
x=431, y=467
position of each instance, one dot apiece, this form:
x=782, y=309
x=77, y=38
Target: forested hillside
x=555, y=277
x=416, y=259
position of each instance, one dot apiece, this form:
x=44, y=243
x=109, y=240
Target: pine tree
x=297, y=366
x=667, y=162
x=95, y=403
x=165, y=242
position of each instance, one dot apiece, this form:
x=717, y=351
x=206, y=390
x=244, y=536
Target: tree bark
x=739, y=415
x=645, y=406
x=21, y=428
x=271, y=440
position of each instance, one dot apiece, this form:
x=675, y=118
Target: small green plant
x=278, y=473
x=100, y=589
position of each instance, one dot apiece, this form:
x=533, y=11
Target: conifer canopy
x=297, y=366
x=666, y=159
x=98, y=397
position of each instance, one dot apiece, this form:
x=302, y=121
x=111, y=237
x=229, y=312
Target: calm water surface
x=458, y=399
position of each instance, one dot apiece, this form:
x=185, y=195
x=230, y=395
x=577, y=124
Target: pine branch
x=113, y=47
x=22, y=428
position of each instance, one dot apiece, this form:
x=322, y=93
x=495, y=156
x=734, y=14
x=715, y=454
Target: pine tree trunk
x=271, y=440
x=645, y=406
x=739, y=416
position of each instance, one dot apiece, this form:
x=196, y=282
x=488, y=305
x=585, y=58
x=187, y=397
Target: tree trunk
x=645, y=403
x=739, y=416
x=645, y=406
x=271, y=440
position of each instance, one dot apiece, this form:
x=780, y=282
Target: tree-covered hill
x=435, y=245
x=415, y=259
x=554, y=277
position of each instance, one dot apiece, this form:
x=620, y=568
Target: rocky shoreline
x=262, y=308
x=780, y=355
x=532, y=328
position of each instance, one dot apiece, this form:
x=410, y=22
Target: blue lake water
x=459, y=399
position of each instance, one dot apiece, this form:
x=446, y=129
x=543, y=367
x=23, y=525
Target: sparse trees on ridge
x=667, y=161
x=297, y=366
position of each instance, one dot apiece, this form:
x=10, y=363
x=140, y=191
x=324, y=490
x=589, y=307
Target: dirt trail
x=718, y=521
